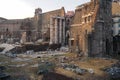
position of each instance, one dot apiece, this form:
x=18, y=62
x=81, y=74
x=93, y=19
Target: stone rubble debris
x=7, y=47
x=114, y=71
x=74, y=68
x=45, y=67
x=3, y=75
x=91, y=71
x=64, y=49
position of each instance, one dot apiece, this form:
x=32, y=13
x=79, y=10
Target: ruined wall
x=82, y=25
x=37, y=23
x=29, y=29
x=68, y=20
x=10, y=28
x=116, y=26
x=57, y=30
x=90, y=34
x=102, y=35
x=44, y=22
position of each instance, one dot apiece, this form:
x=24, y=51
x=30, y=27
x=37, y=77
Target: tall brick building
x=91, y=29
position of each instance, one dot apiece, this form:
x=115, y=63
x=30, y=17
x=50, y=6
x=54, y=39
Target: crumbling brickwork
x=91, y=30
x=44, y=24
x=10, y=29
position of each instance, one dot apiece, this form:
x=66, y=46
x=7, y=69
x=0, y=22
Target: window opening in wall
x=119, y=20
x=7, y=29
x=86, y=8
x=89, y=18
x=112, y=20
x=119, y=25
x=119, y=32
x=72, y=42
x=85, y=19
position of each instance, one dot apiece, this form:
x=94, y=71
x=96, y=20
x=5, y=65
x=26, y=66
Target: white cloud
x=15, y=9
x=25, y=8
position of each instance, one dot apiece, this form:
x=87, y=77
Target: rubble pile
x=114, y=71
x=7, y=47
x=1, y=49
x=65, y=49
x=74, y=68
x=45, y=67
x=3, y=76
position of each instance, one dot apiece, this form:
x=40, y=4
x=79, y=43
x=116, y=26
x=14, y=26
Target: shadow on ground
x=55, y=76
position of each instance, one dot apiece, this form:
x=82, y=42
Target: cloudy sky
x=17, y=9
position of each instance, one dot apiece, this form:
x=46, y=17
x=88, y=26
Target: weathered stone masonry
x=91, y=30
x=50, y=25
x=57, y=30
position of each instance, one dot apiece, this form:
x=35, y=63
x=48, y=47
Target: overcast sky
x=18, y=9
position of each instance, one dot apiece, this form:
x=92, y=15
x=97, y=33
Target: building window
x=85, y=19
x=112, y=20
x=89, y=18
x=7, y=29
x=119, y=20
x=119, y=25
x=119, y=32
x=72, y=42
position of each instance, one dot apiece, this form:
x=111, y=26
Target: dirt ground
x=25, y=68
x=95, y=64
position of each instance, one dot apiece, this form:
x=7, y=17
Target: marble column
x=56, y=31
x=51, y=31
x=60, y=31
x=63, y=42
